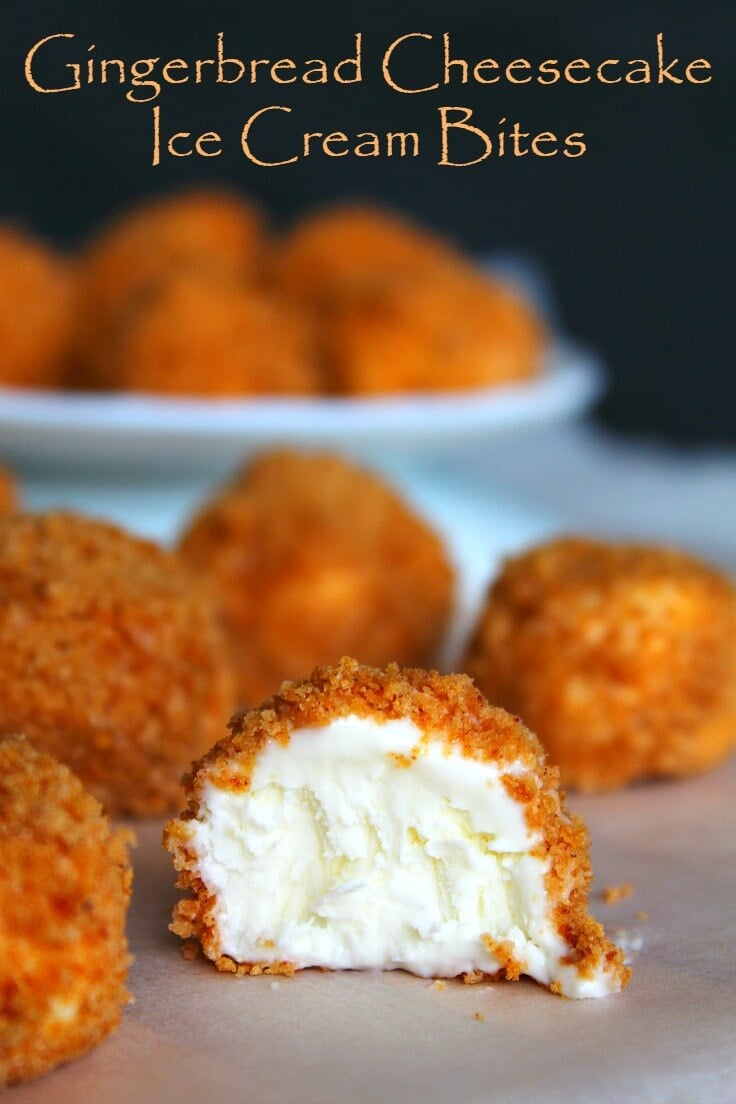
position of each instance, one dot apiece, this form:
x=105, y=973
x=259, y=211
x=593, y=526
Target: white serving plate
x=194, y=1034
x=66, y=430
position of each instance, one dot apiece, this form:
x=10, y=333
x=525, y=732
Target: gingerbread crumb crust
x=112, y=657
x=200, y=230
x=36, y=310
x=612, y=894
x=65, y=881
x=316, y=557
x=621, y=657
x=447, y=708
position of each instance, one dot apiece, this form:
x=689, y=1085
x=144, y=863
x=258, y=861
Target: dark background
x=636, y=236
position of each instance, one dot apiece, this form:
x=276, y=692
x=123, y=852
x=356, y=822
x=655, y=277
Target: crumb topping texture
x=112, y=657
x=317, y=558
x=65, y=883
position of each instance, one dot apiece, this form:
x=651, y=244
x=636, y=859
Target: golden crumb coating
x=112, y=657
x=402, y=310
x=35, y=312
x=349, y=252
x=65, y=882
x=198, y=335
x=612, y=894
x=447, y=708
x=8, y=492
x=315, y=557
x=200, y=229
x=448, y=330
x=621, y=657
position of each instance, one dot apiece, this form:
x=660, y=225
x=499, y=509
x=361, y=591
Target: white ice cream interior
x=364, y=845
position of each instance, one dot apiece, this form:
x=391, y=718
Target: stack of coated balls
x=190, y=295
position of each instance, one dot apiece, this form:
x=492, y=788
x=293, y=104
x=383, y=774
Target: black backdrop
x=637, y=235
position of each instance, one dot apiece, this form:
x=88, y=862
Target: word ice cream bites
x=65, y=883
x=363, y=819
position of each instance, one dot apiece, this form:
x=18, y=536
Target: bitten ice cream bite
x=364, y=819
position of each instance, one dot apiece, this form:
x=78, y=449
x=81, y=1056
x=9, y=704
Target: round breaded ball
x=35, y=312
x=317, y=558
x=621, y=657
x=64, y=889
x=350, y=251
x=445, y=331
x=112, y=657
x=8, y=492
x=202, y=230
x=205, y=337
